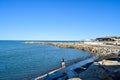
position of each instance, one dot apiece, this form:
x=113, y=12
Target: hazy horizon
x=50, y=39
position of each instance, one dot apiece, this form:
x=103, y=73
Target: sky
x=59, y=19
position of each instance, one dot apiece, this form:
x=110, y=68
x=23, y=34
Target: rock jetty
x=101, y=50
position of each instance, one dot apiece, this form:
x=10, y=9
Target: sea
x=19, y=61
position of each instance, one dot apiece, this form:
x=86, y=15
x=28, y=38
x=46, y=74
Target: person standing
x=63, y=63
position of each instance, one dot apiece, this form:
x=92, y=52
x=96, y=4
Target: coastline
x=98, y=50
x=102, y=51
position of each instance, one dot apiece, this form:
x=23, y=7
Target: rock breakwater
x=103, y=51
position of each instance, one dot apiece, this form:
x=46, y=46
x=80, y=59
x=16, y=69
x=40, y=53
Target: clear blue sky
x=58, y=19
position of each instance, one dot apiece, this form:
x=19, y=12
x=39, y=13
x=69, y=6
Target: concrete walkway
x=43, y=76
x=69, y=70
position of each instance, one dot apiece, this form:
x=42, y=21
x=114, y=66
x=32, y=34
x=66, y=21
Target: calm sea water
x=20, y=61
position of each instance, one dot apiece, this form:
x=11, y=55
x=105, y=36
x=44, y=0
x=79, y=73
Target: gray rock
x=95, y=72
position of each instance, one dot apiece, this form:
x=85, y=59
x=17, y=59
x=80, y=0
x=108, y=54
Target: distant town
x=113, y=40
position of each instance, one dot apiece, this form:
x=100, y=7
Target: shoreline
x=53, y=71
x=102, y=51
x=67, y=65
